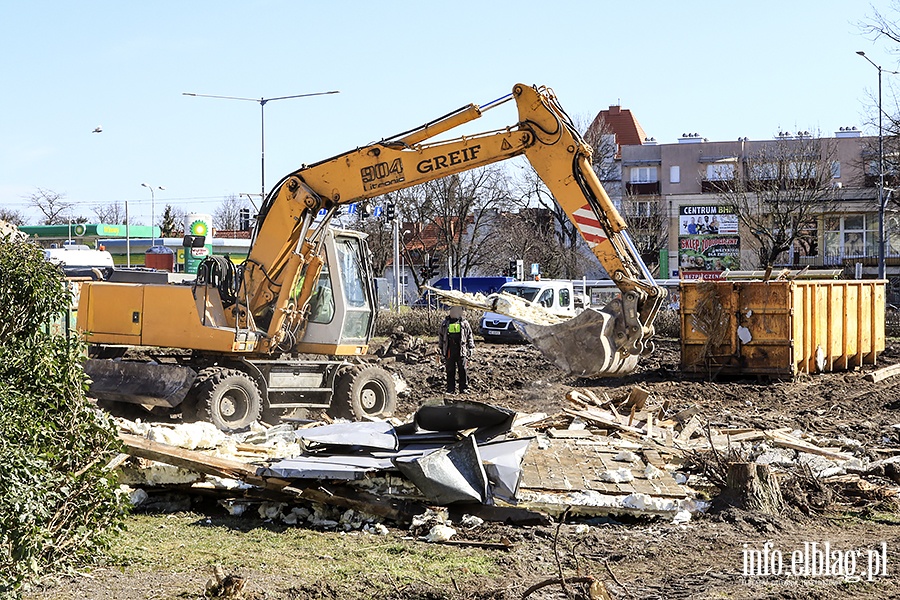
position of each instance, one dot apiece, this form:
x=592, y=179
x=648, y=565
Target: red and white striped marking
x=589, y=226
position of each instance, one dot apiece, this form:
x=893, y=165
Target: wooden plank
x=637, y=398
x=564, y=434
x=595, y=399
x=607, y=420
x=231, y=469
x=883, y=373
x=792, y=443
x=192, y=460
x=690, y=428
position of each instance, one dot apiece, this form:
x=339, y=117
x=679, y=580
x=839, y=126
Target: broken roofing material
x=450, y=474
x=348, y=437
x=430, y=453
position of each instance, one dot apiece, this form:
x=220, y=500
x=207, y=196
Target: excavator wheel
x=227, y=398
x=364, y=393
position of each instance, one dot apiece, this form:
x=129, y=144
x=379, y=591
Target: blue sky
x=721, y=69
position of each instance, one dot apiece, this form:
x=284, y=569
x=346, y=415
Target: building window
x=644, y=175
x=675, y=174
x=641, y=209
x=836, y=169
x=851, y=235
x=763, y=171
x=720, y=172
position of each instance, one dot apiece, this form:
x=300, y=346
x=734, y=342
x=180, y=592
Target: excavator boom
x=560, y=156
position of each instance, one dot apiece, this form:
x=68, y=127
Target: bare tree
x=450, y=218
x=227, y=216
x=602, y=139
x=11, y=216
x=529, y=234
x=779, y=192
x=878, y=25
x=570, y=247
x=113, y=213
x=648, y=226
x=379, y=230
x=884, y=26
x=52, y=205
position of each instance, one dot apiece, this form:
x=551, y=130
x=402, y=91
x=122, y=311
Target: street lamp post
x=152, y=206
x=262, y=121
x=881, y=198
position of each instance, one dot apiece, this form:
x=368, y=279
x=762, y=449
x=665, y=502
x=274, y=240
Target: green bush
x=58, y=506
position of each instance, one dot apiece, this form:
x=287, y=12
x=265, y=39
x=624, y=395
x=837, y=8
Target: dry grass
x=179, y=550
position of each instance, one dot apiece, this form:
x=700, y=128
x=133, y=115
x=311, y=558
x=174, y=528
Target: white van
x=78, y=260
x=556, y=296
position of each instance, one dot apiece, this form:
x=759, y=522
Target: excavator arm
x=286, y=253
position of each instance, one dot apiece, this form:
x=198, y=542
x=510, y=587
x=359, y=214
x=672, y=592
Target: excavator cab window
x=359, y=312
x=322, y=302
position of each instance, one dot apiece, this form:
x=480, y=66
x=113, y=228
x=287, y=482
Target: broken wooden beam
x=883, y=373
x=216, y=466
x=606, y=420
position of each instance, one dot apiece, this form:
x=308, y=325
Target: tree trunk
x=754, y=487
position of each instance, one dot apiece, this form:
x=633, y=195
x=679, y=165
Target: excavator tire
x=227, y=398
x=364, y=393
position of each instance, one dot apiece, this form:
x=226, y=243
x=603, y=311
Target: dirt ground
x=634, y=558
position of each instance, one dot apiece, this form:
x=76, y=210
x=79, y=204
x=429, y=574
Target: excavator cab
x=343, y=304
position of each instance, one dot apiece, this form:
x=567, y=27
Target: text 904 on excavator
x=284, y=330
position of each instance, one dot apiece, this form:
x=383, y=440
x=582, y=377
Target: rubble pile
x=406, y=348
x=632, y=456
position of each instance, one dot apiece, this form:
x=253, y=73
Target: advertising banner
x=708, y=241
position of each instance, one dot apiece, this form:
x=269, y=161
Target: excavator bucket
x=583, y=346
x=134, y=382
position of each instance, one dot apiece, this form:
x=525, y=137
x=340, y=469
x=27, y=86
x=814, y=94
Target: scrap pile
x=476, y=459
x=659, y=440
x=344, y=475
x=404, y=347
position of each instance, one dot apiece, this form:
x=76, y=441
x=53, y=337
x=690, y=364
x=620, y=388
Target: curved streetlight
x=262, y=116
x=152, y=205
x=881, y=197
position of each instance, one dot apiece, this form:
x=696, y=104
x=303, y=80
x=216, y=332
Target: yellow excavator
x=281, y=331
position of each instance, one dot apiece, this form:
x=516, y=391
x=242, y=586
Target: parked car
x=554, y=295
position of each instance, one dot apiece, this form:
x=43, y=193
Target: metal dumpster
x=780, y=328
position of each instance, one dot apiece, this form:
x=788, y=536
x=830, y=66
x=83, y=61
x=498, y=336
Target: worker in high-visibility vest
x=456, y=343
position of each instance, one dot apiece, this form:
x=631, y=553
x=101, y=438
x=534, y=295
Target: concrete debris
x=681, y=517
x=471, y=521
x=440, y=533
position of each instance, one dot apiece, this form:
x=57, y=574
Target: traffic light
x=390, y=211
x=244, y=219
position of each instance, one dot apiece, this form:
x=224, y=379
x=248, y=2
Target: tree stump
x=754, y=487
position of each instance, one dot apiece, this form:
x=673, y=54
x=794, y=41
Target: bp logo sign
x=80, y=229
x=199, y=228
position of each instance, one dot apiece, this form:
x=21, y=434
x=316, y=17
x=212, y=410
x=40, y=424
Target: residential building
x=685, y=181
